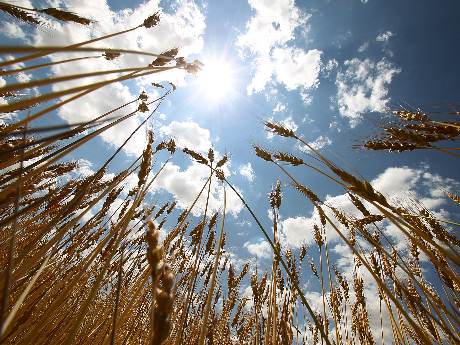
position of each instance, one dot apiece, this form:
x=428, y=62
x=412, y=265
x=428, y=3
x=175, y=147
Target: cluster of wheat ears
x=76, y=270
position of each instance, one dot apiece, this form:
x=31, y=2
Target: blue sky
x=328, y=69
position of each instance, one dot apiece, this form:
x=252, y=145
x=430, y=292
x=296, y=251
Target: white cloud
x=247, y=172
x=317, y=144
x=288, y=123
x=276, y=22
x=263, y=74
x=418, y=184
x=363, y=47
x=298, y=230
x=342, y=39
x=279, y=107
x=335, y=126
x=91, y=106
x=23, y=77
x=296, y=68
x=185, y=185
x=329, y=67
x=12, y=30
x=384, y=36
x=363, y=87
x=261, y=249
x=84, y=168
x=188, y=134
x=320, y=142
x=396, y=180
x=402, y=185
x=183, y=28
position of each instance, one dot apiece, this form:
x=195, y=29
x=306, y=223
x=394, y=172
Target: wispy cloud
x=384, y=36
x=247, y=172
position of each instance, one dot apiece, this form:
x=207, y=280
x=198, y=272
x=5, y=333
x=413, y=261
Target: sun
x=216, y=79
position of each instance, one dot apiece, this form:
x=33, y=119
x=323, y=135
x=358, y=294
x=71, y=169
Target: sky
x=329, y=70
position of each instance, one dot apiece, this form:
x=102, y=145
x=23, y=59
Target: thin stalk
x=53, y=80
x=53, y=63
x=22, y=297
x=204, y=326
x=120, y=231
x=117, y=299
x=274, y=272
x=184, y=315
x=68, y=148
x=283, y=263
x=326, y=252
x=381, y=320
x=43, y=52
x=42, y=112
x=174, y=232
x=57, y=94
x=322, y=289
x=11, y=245
x=363, y=260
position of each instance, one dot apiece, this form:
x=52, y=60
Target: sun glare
x=216, y=79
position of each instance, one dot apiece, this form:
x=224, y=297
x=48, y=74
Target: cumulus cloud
x=363, y=87
x=296, y=68
x=188, y=134
x=12, y=30
x=402, y=185
x=290, y=66
x=263, y=73
x=260, y=248
x=183, y=27
x=275, y=21
x=247, y=172
x=185, y=184
x=298, y=230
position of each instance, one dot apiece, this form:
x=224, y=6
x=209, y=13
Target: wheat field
x=75, y=269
